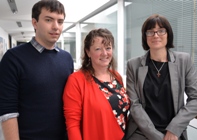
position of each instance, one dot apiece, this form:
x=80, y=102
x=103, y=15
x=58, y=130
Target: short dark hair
x=163, y=23
x=89, y=40
x=51, y=5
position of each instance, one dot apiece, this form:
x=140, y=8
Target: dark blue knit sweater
x=32, y=83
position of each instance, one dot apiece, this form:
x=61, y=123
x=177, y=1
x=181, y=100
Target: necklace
x=105, y=79
x=158, y=71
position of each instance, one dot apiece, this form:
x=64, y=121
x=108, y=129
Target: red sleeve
x=73, y=107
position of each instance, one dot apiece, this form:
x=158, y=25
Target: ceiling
x=75, y=11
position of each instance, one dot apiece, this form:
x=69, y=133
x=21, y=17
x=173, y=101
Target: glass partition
x=70, y=42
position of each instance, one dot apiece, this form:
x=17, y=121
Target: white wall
x=4, y=35
x=4, y=42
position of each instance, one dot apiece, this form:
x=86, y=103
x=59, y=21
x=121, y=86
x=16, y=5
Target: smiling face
x=157, y=41
x=48, y=28
x=100, y=53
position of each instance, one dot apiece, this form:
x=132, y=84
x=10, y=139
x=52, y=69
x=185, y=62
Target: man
x=32, y=79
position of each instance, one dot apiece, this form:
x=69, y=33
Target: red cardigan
x=88, y=113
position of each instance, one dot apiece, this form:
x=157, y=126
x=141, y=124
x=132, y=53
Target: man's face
x=48, y=28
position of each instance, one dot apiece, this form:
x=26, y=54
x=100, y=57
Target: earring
x=89, y=62
x=109, y=65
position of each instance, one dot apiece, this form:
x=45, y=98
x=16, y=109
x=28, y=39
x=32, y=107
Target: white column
x=120, y=38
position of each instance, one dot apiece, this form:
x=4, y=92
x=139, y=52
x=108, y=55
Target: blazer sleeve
x=137, y=111
x=188, y=80
x=72, y=100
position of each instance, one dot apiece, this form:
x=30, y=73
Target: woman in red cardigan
x=96, y=106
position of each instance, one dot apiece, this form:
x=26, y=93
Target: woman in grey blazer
x=156, y=83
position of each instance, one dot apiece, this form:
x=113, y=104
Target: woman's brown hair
x=89, y=40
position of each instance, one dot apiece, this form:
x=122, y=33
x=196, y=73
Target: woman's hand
x=170, y=136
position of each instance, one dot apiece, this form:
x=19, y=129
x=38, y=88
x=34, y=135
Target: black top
x=158, y=95
x=115, y=93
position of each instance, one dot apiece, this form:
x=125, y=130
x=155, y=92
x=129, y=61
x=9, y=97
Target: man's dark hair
x=51, y=5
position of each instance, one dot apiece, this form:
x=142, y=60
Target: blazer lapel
x=173, y=70
x=142, y=72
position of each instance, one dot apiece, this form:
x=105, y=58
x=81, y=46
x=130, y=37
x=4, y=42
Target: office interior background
x=123, y=18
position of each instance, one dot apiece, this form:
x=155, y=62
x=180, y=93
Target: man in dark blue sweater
x=32, y=79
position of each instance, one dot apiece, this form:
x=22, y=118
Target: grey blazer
x=183, y=77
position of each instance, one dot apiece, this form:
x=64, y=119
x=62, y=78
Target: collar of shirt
x=39, y=47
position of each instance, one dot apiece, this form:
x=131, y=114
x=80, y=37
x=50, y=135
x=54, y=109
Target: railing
x=192, y=132
x=1, y=135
